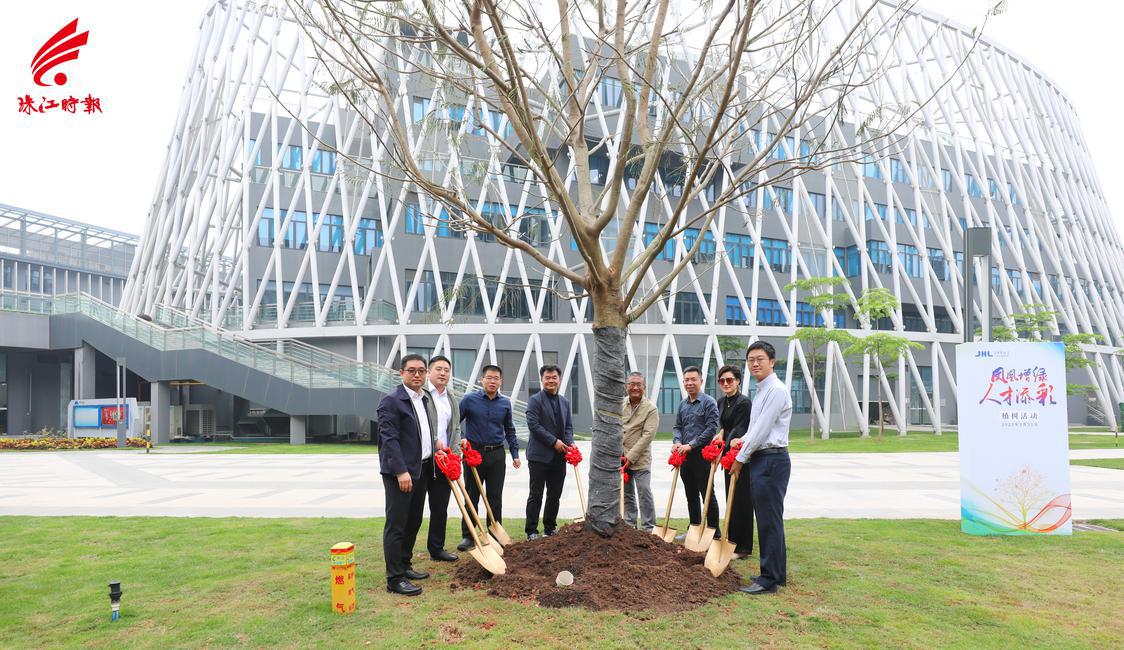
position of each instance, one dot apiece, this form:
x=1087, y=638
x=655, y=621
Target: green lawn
x=264, y=583
x=1110, y=463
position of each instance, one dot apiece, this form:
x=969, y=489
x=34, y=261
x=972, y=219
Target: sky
x=102, y=167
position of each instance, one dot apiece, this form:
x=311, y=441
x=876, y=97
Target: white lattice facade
x=282, y=231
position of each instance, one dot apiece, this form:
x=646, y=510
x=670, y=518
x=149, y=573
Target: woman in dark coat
x=733, y=415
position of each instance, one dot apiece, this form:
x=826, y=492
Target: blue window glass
x=806, y=149
x=946, y=178
x=871, y=169
x=879, y=254
x=777, y=254
x=993, y=189
x=265, y=228
x=939, y=263
x=878, y=209
x=897, y=171
x=498, y=122
x=735, y=315
x=706, y=248
x=297, y=234
x=688, y=310
x=292, y=159
x=1017, y=279
x=840, y=319
x=806, y=316
x=1012, y=194
x=533, y=226
x=250, y=151
x=446, y=229
x=1036, y=284
x=739, y=249
x=415, y=224
x=611, y=92
x=819, y=203
x=324, y=162
x=368, y=236
x=910, y=260
x=331, y=234
x=769, y=312
x=419, y=109
x=651, y=232
x=782, y=196
x=974, y=189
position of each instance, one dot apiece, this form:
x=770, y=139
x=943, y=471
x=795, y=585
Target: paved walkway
x=888, y=485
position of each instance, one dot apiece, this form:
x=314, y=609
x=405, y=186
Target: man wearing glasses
x=640, y=419
x=766, y=451
x=486, y=423
x=448, y=437
x=407, y=442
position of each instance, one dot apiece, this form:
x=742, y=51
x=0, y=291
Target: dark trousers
x=694, y=473
x=492, y=471
x=551, y=476
x=741, y=518
x=439, y=493
x=769, y=475
x=403, y=520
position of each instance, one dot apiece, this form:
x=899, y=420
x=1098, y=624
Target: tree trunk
x=608, y=394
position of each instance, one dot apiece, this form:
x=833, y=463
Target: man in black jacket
x=407, y=431
x=552, y=432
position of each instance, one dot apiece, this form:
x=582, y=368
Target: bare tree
x=607, y=111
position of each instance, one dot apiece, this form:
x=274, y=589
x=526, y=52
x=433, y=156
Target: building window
x=735, y=315
x=324, y=162
x=651, y=232
x=534, y=227
x=36, y=278
x=265, y=228
x=9, y=274
x=292, y=159
x=49, y=281
x=331, y=234
x=297, y=234
x=250, y=150
x=880, y=256
x=819, y=204
x=807, y=317
x=611, y=92
x=910, y=260
x=801, y=398
x=897, y=172
x=769, y=312
x=419, y=109
x=706, y=248
x=849, y=260
x=878, y=209
x=415, y=224
x=939, y=263
x=688, y=310
x=779, y=196
x=871, y=169
x=739, y=250
x=946, y=178
x=368, y=236
x=974, y=189
x=777, y=254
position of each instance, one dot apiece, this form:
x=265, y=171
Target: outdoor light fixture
x=977, y=244
x=115, y=598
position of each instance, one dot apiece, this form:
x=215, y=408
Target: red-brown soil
x=630, y=571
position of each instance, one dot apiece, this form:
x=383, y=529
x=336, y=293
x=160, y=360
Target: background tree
x=820, y=295
x=610, y=107
x=885, y=348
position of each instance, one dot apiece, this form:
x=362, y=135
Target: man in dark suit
x=552, y=432
x=407, y=431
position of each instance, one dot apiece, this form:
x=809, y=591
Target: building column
x=85, y=366
x=296, y=429
x=160, y=412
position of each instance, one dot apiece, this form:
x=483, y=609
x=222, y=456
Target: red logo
x=59, y=49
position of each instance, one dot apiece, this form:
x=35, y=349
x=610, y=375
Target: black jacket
x=400, y=448
x=733, y=415
x=544, y=428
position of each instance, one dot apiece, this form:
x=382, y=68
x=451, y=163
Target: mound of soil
x=630, y=571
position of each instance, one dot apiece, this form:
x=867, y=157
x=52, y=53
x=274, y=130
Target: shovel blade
x=718, y=556
x=499, y=533
x=495, y=545
x=488, y=559
x=699, y=538
x=665, y=533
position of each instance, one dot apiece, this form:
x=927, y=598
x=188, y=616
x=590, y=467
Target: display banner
x=1014, y=439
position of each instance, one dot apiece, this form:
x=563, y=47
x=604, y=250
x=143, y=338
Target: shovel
x=720, y=553
x=581, y=493
x=494, y=526
x=485, y=556
x=663, y=532
x=485, y=537
x=622, y=496
x=699, y=536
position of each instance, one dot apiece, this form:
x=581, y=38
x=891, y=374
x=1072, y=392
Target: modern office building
x=41, y=256
x=271, y=222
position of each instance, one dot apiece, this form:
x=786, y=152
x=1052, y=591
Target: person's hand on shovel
x=560, y=447
x=736, y=468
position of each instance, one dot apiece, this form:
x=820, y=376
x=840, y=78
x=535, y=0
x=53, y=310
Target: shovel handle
x=472, y=509
x=480, y=486
x=729, y=507
x=464, y=513
x=622, y=496
x=709, y=491
x=581, y=492
x=670, y=498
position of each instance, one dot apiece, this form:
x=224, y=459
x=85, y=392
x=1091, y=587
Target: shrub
x=52, y=443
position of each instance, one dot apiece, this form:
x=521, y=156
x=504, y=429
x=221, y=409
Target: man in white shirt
x=766, y=450
x=448, y=437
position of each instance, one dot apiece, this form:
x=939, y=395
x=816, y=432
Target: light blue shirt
x=768, y=425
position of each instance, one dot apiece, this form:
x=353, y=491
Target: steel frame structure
x=254, y=79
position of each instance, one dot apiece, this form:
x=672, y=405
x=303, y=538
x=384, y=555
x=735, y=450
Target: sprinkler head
x=115, y=598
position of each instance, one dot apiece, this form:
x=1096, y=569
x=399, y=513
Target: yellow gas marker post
x=343, y=578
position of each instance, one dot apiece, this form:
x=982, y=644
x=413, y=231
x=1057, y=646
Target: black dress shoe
x=755, y=589
x=416, y=575
x=532, y=536
x=743, y=551
x=549, y=533
x=444, y=556
x=403, y=587
x=464, y=545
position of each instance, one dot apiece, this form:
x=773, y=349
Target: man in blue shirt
x=552, y=433
x=696, y=422
x=486, y=423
